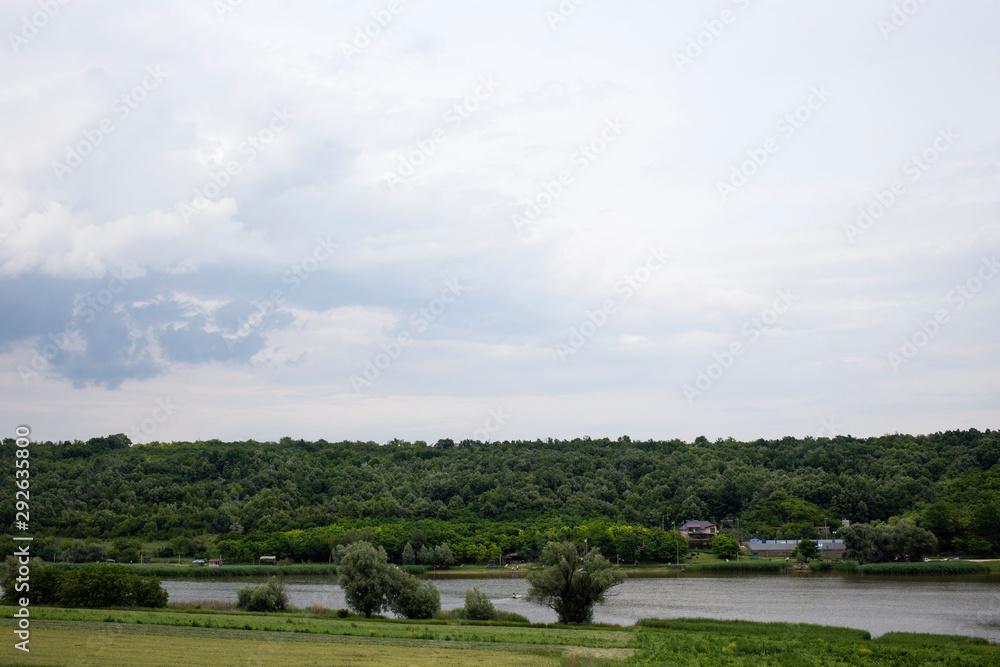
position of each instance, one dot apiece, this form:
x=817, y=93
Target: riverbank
x=169, y=571
x=195, y=637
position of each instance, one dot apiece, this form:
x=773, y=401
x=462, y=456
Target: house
x=827, y=548
x=215, y=562
x=698, y=532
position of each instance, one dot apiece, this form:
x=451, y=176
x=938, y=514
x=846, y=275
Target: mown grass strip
x=757, y=629
x=160, y=647
x=387, y=629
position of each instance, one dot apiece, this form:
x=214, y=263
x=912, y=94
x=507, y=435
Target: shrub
x=478, y=607
x=724, y=546
x=269, y=597
x=412, y=597
x=510, y=617
x=805, y=551
x=103, y=585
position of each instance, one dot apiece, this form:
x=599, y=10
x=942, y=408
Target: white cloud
x=654, y=185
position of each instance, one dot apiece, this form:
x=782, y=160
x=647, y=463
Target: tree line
x=512, y=495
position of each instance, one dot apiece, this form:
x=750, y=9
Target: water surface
x=968, y=606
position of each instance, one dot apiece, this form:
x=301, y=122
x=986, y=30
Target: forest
x=300, y=499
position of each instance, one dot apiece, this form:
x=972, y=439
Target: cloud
x=233, y=293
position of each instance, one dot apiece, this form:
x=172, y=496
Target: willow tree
x=571, y=584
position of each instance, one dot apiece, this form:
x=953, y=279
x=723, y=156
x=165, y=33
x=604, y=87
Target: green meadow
x=192, y=636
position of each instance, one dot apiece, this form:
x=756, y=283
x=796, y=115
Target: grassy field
x=706, y=642
x=193, y=637
x=205, y=637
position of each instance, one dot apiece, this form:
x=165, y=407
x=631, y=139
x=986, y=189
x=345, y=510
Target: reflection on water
x=959, y=607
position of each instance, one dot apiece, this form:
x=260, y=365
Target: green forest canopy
x=487, y=497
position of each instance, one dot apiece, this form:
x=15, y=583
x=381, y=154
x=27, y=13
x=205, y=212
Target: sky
x=379, y=219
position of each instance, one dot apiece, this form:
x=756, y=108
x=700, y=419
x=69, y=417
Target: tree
x=269, y=597
x=371, y=585
x=806, y=550
x=365, y=577
x=181, y=545
x=875, y=544
x=478, y=606
x=409, y=557
x=125, y=550
x=571, y=585
x=426, y=555
x=337, y=554
x=412, y=597
x=443, y=556
x=79, y=552
x=724, y=546
x=911, y=541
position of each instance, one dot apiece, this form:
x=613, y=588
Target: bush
x=724, y=546
x=412, y=597
x=103, y=585
x=478, y=607
x=510, y=617
x=269, y=597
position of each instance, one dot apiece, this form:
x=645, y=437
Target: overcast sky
x=521, y=219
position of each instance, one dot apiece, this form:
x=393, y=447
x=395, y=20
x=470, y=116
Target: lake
x=957, y=605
